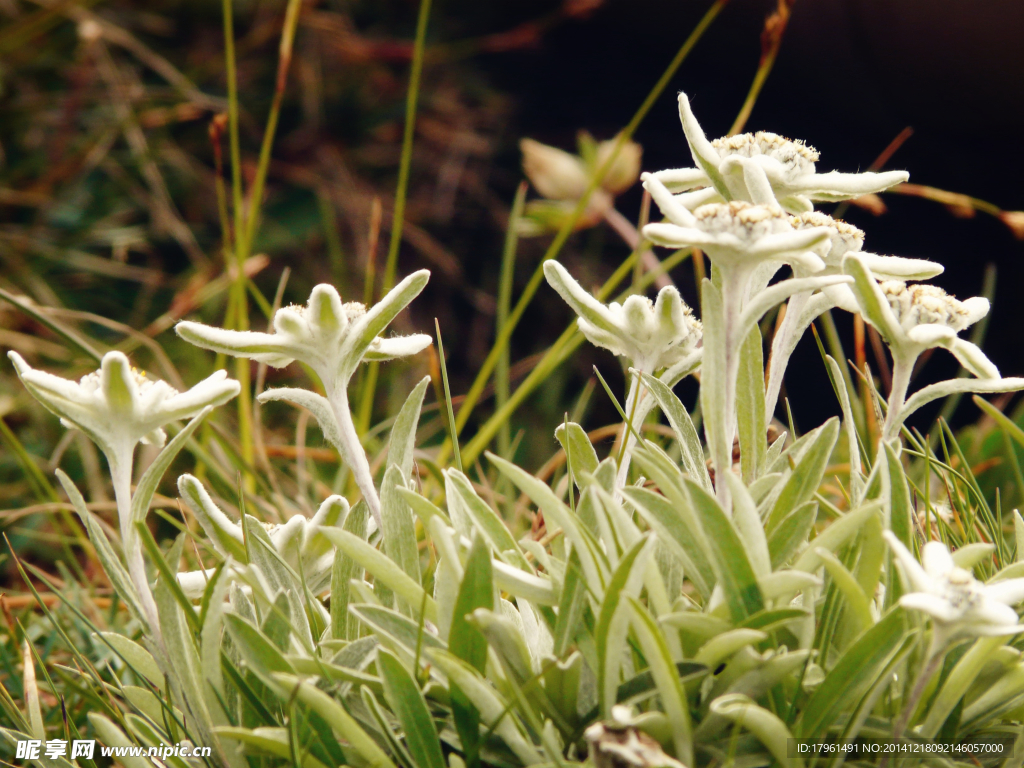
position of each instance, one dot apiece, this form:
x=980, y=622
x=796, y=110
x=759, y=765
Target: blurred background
x=110, y=143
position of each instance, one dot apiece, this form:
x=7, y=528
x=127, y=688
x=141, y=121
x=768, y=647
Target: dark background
x=851, y=75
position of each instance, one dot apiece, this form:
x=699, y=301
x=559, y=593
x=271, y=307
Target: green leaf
x=467, y=643
x=750, y=416
x=900, y=505
x=277, y=622
x=224, y=534
x=677, y=528
x=399, y=530
x=343, y=626
x=692, y=453
x=856, y=671
x=856, y=600
x=31, y=692
x=713, y=371
x=119, y=578
x=768, y=727
x=721, y=647
x=384, y=570
x=261, y=655
x=485, y=520
x=1004, y=695
x=395, y=630
x=475, y=591
x=663, y=670
x=849, y=424
x=571, y=606
x=336, y=716
x=278, y=575
x=136, y=657
x=183, y=662
x=836, y=535
x=613, y=620
x=807, y=475
x=749, y=526
x=410, y=708
x=958, y=682
x=791, y=533
x=403, y=432
x=558, y=515
x=495, y=713
x=166, y=572
x=272, y=741
x=151, y=478
x=578, y=449
x=424, y=508
x=112, y=736
x=312, y=402
x=728, y=555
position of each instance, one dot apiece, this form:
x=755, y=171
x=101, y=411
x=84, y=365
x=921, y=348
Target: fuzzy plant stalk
x=332, y=338
x=119, y=407
x=744, y=242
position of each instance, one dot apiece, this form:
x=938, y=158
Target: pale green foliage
x=703, y=615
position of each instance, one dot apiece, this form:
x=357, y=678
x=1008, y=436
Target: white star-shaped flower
x=959, y=604
x=119, y=406
x=735, y=167
x=914, y=318
x=651, y=335
x=299, y=540
x=827, y=259
x=332, y=338
x=736, y=235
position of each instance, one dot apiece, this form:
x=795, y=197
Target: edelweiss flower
x=657, y=335
x=739, y=167
x=651, y=335
x=827, y=259
x=913, y=318
x=960, y=605
x=563, y=178
x=735, y=235
x=119, y=406
x=333, y=339
x=845, y=238
x=747, y=243
x=298, y=541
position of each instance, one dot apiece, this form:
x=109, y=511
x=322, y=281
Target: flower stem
x=352, y=452
x=501, y=342
x=635, y=413
x=931, y=666
x=121, y=477
x=903, y=366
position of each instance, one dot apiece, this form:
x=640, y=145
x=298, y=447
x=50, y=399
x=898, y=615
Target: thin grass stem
x=508, y=263
x=487, y=368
